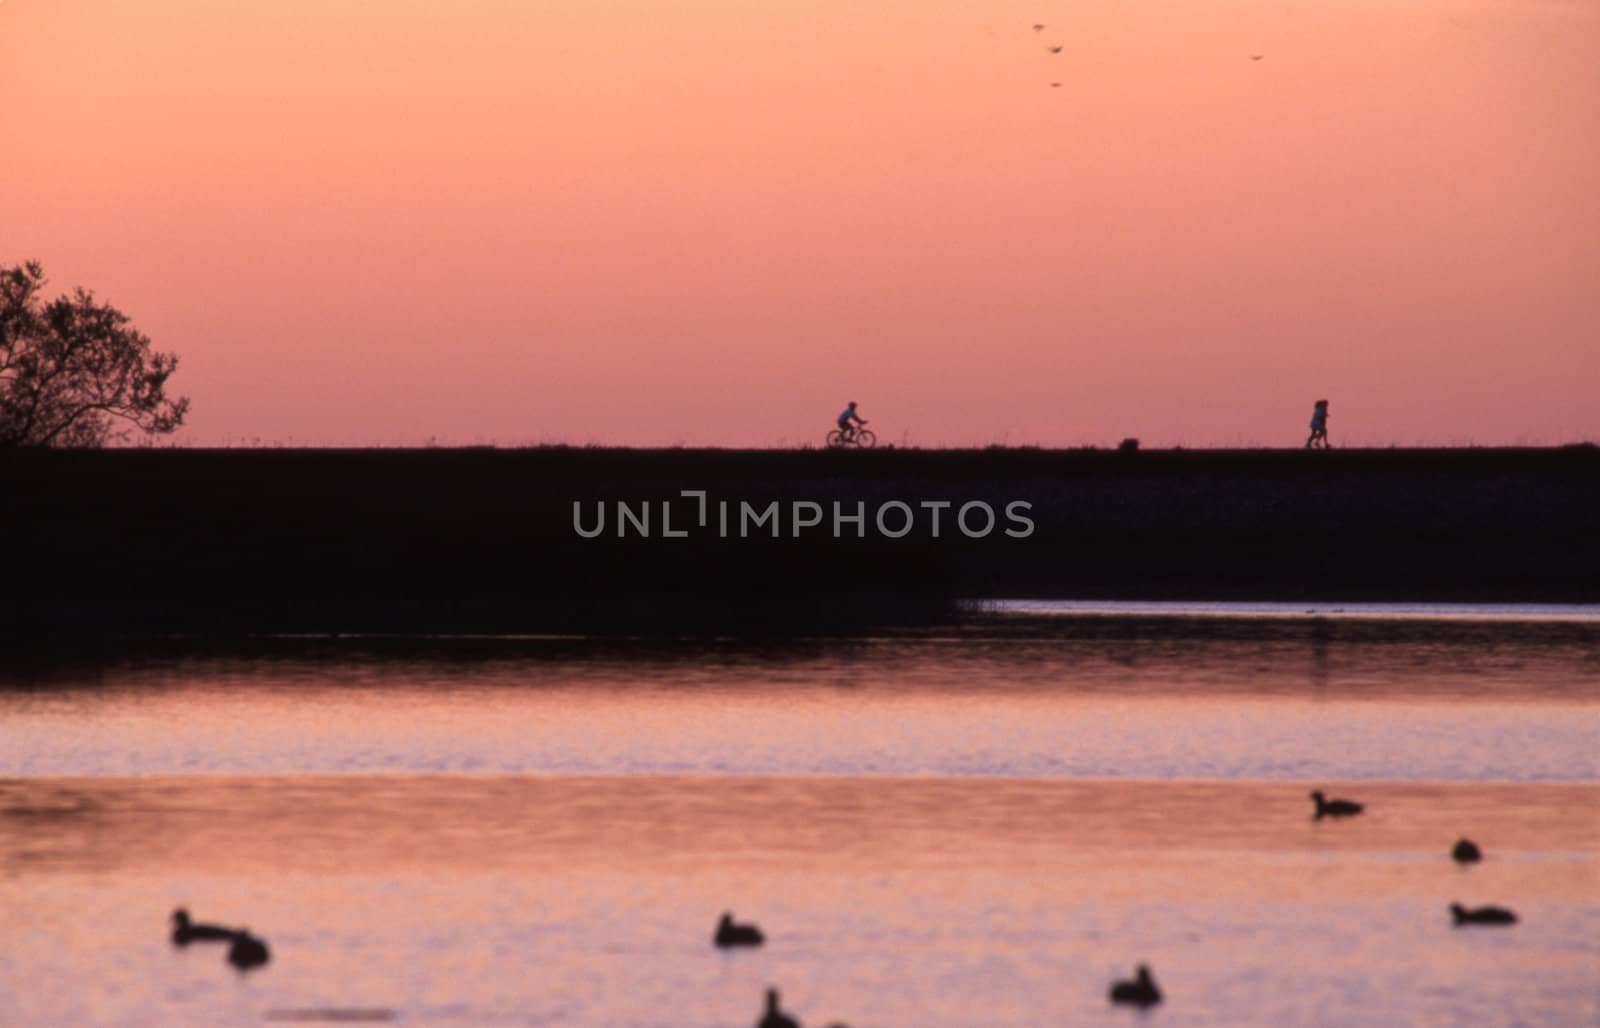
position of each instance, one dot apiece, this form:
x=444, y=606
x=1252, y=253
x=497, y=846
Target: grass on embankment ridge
x=483, y=540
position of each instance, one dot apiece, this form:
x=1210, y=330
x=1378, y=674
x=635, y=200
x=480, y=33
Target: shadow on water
x=1081, y=654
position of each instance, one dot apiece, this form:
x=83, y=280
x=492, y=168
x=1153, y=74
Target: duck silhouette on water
x=1334, y=808
x=730, y=933
x=1466, y=852
x=185, y=930
x=774, y=1017
x=247, y=951
x=1139, y=992
x=1481, y=915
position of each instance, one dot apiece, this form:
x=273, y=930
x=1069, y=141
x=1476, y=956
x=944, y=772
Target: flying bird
x=1257, y=57
x=1038, y=28
x=1055, y=49
x=1055, y=85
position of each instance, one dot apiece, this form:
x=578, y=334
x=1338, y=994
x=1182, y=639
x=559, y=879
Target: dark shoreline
x=230, y=543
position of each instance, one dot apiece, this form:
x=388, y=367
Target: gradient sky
x=714, y=222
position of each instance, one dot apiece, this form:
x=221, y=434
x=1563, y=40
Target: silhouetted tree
x=71, y=367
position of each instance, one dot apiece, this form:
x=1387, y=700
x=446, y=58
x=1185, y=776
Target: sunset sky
x=712, y=223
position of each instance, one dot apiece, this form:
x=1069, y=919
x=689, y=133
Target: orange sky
x=714, y=222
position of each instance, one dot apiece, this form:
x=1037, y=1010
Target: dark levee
x=219, y=543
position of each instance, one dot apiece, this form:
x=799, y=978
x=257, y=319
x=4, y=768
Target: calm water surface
x=975, y=826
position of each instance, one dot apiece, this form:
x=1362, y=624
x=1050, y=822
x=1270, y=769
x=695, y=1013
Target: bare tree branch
x=73, y=367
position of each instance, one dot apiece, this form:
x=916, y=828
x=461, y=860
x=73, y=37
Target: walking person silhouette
x=1319, y=426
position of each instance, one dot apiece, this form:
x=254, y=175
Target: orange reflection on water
x=359, y=824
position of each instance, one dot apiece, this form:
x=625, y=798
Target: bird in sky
x=1055, y=85
x=1038, y=28
x=1055, y=49
x=1257, y=57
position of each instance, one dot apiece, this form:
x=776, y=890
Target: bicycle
x=863, y=438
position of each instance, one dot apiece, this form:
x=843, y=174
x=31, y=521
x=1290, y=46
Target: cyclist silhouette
x=851, y=431
x=847, y=431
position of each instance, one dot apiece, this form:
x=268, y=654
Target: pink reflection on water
x=470, y=900
x=1389, y=703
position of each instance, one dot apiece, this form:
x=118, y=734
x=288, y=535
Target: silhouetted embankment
x=220, y=542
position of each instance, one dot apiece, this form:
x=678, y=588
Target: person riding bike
x=847, y=430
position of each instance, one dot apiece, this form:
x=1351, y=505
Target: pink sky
x=715, y=222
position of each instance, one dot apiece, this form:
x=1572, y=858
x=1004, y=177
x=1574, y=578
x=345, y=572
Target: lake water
x=975, y=825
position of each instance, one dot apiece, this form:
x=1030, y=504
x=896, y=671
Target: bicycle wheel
x=835, y=439
x=866, y=439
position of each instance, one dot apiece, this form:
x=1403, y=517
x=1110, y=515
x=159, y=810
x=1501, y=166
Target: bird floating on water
x=775, y=1018
x=1466, y=852
x=1482, y=915
x=247, y=951
x=731, y=933
x=1141, y=991
x=185, y=931
x=1335, y=808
